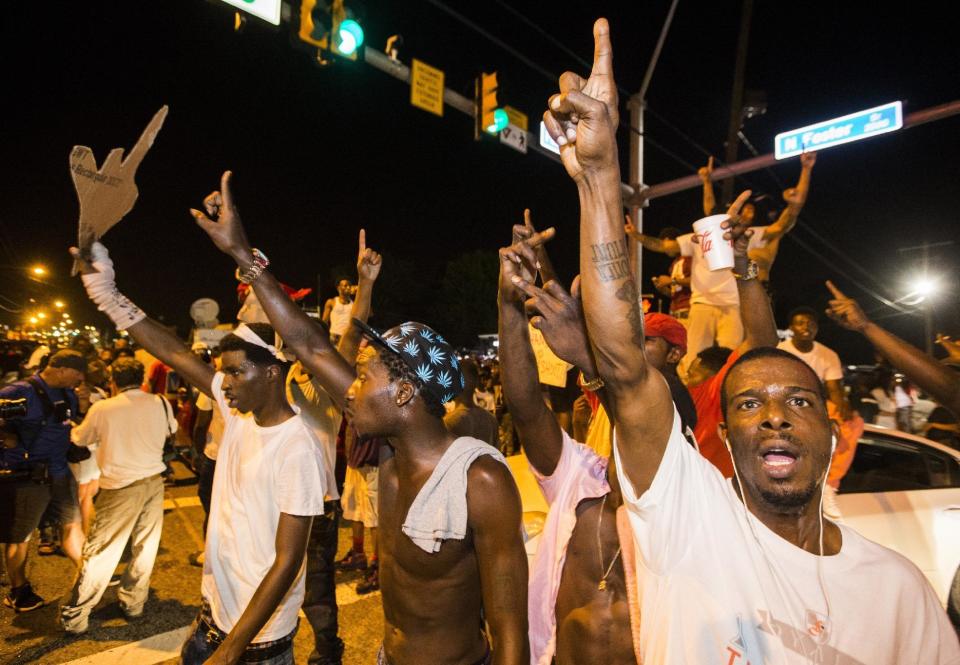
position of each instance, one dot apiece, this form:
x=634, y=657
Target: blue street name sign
x=546, y=141
x=830, y=133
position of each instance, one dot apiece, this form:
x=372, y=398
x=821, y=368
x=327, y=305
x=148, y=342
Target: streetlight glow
x=39, y=271
x=59, y=304
x=925, y=286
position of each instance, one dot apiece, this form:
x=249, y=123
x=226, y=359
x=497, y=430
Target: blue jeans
x=199, y=647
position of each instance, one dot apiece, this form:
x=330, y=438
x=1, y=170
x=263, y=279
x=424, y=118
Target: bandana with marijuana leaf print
x=428, y=354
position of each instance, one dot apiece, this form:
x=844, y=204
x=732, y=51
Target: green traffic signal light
x=500, y=121
x=350, y=35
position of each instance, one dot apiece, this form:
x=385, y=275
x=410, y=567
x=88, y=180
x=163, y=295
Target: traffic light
x=330, y=26
x=489, y=118
x=348, y=37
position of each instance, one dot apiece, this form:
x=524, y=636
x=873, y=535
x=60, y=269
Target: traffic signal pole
x=765, y=161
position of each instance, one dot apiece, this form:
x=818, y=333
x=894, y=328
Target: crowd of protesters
x=690, y=460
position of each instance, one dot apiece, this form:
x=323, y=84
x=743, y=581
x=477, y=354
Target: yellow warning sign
x=517, y=118
x=426, y=87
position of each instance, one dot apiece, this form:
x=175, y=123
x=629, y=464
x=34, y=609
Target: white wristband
x=103, y=291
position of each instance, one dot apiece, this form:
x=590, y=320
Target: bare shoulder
x=488, y=474
x=491, y=491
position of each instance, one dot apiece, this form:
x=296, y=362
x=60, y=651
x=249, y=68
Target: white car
x=902, y=491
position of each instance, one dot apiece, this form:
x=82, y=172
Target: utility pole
x=736, y=98
x=636, y=106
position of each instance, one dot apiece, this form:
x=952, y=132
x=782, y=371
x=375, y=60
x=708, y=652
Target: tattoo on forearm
x=628, y=293
x=611, y=260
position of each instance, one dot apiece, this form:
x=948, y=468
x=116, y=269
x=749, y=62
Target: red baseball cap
x=243, y=290
x=656, y=324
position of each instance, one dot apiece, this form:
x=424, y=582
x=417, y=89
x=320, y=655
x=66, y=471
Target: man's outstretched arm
x=759, y=326
x=796, y=198
x=308, y=340
x=583, y=120
x=706, y=177
x=667, y=246
x=98, y=279
x=938, y=380
x=368, y=269
x=537, y=426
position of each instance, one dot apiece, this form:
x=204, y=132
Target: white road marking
x=153, y=649
x=164, y=646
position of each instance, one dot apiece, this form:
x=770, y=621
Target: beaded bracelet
x=260, y=263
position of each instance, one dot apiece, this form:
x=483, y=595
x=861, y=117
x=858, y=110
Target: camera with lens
x=13, y=408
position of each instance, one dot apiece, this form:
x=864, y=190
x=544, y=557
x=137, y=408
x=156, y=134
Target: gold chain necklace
x=604, y=574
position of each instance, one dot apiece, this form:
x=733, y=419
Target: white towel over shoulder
x=440, y=510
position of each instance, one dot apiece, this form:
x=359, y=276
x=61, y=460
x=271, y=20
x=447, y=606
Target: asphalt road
x=35, y=637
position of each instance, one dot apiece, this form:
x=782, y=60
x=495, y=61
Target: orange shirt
x=706, y=399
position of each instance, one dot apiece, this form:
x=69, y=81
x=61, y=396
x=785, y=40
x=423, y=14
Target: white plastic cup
x=717, y=251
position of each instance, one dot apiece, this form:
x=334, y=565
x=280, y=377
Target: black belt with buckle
x=254, y=653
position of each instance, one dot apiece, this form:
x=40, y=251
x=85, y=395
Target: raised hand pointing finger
x=837, y=293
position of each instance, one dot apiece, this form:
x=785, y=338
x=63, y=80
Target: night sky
x=318, y=153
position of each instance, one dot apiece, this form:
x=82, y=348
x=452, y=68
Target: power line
x=587, y=65
x=473, y=26
x=550, y=38
x=860, y=285
x=543, y=71
x=550, y=77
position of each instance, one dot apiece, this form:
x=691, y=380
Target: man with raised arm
x=578, y=606
x=270, y=481
x=451, y=549
x=728, y=573
x=935, y=378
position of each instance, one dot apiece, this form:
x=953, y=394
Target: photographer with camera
x=33, y=467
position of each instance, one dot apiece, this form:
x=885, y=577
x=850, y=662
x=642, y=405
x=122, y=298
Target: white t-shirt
x=215, y=431
x=323, y=417
x=823, y=360
x=130, y=429
x=261, y=472
x=713, y=287
x=717, y=588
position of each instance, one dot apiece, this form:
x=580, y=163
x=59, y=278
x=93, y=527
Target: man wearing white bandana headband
x=270, y=481
x=439, y=581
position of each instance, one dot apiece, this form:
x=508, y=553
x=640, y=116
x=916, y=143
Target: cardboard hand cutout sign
x=108, y=193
